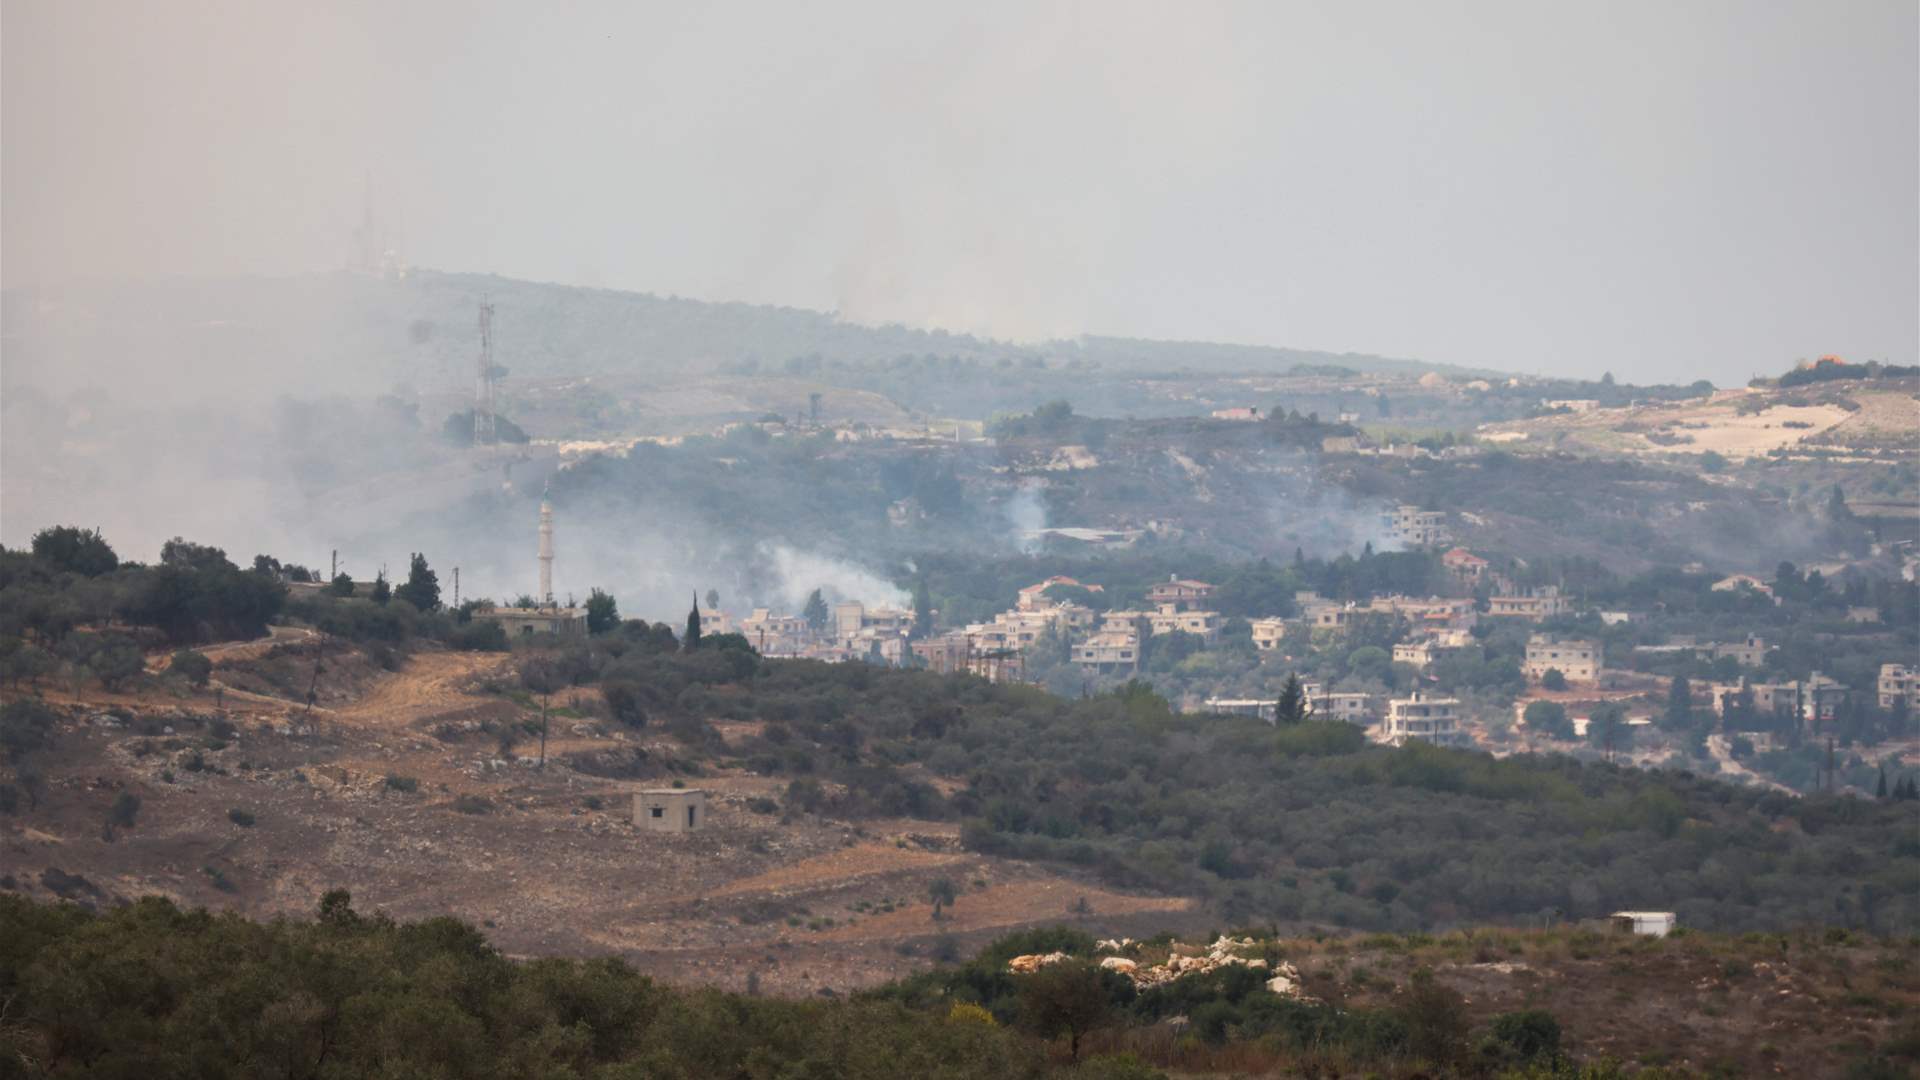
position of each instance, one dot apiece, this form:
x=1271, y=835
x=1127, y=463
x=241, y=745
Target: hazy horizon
x=1664, y=194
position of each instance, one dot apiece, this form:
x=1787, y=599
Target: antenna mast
x=484, y=433
x=546, y=552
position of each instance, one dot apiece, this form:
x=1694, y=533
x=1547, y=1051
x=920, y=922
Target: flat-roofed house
x=1532, y=604
x=528, y=621
x=1421, y=717
x=1578, y=659
x=1109, y=651
x=1267, y=633
x=1899, y=686
x=1184, y=595
x=671, y=810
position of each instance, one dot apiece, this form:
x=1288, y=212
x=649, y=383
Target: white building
x=1423, y=718
x=1644, y=923
x=1353, y=707
x=1256, y=708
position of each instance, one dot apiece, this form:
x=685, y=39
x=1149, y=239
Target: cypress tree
x=922, y=609
x=1293, y=707
x=422, y=587
x=692, y=640
x=1679, y=705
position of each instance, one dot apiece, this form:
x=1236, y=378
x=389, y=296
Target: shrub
x=473, y=804
x=240, y=817
x=406, y=784
x=191, y=665
x=125, y=810
x=624, y=701
x=1527, y=1035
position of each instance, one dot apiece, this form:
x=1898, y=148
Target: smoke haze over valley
x=1002, y=541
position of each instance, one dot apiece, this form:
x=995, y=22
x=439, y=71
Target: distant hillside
x=346, y=333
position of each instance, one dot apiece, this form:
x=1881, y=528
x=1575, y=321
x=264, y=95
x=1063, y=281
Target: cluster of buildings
x=853, y=631
x=1816, y=699
x=1418, y=717
x=1110, y=642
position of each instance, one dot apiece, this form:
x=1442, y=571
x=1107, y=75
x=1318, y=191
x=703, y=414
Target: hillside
x=347, y=993
x=1869, y=419
x=840, y=792
x=366, y=334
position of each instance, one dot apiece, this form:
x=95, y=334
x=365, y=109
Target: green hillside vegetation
x=1304, y=823
x=151, y=990
x=1307, y=822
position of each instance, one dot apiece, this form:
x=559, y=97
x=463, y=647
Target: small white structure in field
x=673, y=810
x=1644, y=923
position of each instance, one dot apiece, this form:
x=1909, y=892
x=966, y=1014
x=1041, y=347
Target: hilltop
x=369, y=333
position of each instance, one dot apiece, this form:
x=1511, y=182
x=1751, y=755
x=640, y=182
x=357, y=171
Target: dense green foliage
x=193, y=594
x=151, y=991
x=1308, y=822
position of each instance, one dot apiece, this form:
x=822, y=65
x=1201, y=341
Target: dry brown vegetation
x=396, y=787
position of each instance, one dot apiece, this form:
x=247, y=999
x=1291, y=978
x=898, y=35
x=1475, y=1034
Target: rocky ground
x=396, y=787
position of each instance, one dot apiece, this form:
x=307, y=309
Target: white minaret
x=546, y=551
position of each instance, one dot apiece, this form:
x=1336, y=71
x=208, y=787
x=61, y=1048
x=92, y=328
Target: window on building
x=658, y=811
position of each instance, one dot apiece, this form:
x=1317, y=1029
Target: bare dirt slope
x=402, y=795
x=1735, y=424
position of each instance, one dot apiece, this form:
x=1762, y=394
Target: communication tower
x=484, y=431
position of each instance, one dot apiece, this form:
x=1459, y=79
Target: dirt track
x=546, y=861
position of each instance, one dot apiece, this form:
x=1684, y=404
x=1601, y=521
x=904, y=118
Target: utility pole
x=313, y=687
x=334, y=570
x=456, y=588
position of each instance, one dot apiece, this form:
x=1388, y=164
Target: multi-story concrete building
x=1899, y=686
x=1416, y=527
x=851, y=617
x=1422, y=718
x=1532, y=604
x=1465, y=567
x=1267, y=633
x=1353, y=707
x=1109, y=651
x=1577, y=659
x=1749, y=653
x=1202, y=624
x=1182, y=595
x=776, y=635
x=1817, y=699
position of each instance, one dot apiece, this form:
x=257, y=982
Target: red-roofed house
x=1465, y=566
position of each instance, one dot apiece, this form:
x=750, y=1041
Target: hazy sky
x=1667, y=190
